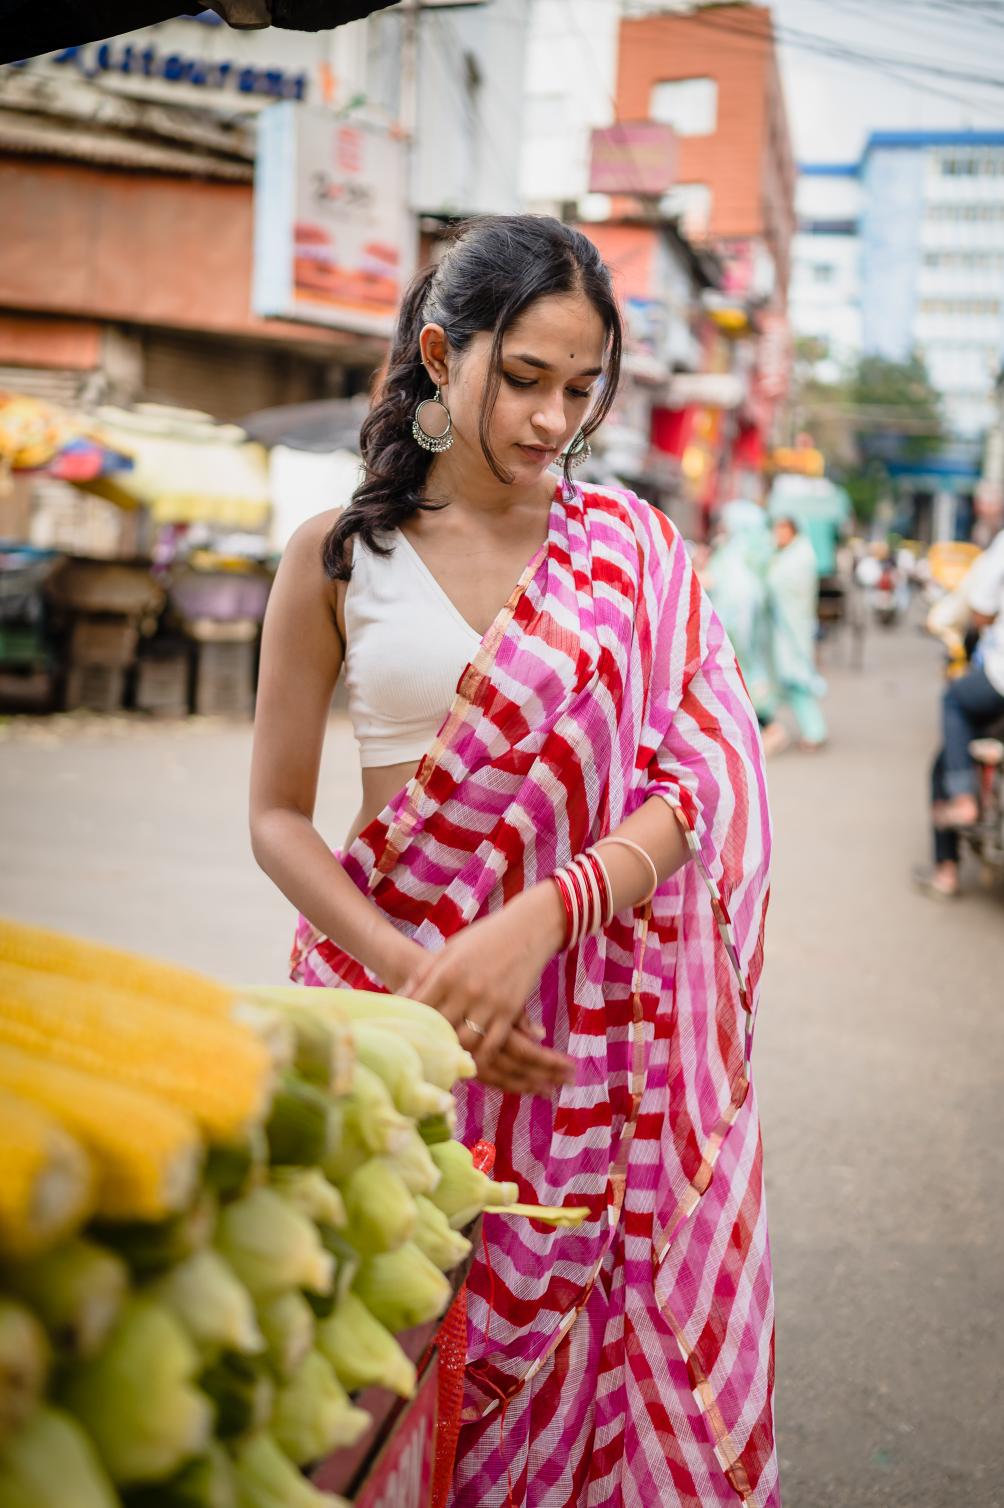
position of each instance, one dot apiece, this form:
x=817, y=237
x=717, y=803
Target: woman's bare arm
x=301, y=658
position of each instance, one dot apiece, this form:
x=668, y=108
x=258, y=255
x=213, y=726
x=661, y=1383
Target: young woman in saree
x=534, y=672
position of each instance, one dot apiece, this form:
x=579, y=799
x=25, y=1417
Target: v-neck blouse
x=407, y=646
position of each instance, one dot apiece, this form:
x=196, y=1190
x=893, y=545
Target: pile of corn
x=216, y=1210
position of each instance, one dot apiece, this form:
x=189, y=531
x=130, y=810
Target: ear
x=435, y=354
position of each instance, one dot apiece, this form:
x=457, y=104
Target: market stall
x=231, y=1223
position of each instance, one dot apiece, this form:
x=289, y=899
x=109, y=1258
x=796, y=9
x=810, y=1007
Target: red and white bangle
x=584, y=887
x=586, y=892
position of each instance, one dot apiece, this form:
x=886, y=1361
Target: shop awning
x=186, y=468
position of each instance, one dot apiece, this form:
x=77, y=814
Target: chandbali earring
x=578, y=452
x=434, y=429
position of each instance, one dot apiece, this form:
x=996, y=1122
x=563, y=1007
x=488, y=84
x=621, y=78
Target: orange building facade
x=714, y=76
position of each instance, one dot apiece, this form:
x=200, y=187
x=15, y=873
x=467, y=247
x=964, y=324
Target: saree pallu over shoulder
x=628, y=1362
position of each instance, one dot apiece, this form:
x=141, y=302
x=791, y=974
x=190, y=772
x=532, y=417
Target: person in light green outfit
x=736, y=581
x=793, y=600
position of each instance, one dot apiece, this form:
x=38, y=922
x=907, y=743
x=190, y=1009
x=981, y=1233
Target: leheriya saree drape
x=629, y=1363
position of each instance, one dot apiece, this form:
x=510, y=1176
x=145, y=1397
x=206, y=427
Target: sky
x=834, y=105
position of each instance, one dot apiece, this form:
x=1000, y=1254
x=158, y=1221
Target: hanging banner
x=334, y=238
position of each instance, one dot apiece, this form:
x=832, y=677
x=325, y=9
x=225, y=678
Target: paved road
x=879, y=1054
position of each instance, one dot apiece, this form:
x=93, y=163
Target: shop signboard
x=334, y=238
x=633, y=157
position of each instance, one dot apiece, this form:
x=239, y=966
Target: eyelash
x=524, y=382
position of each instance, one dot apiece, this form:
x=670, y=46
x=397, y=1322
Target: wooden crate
x=108, y=639
x=96, y=688
x=224, y=680
x=162, y=685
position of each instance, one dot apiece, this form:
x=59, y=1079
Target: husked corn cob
x=96, y=963
x=146, y=1153
x=220, y=1073
x=267, y=1478
x=363, y=1353
x=313, y=1414
x=46, y=1179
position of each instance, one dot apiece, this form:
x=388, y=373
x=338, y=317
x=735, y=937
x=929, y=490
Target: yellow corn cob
x=46, y=1179
x=220, y=1073
x=146, y=1152
x=96, y=963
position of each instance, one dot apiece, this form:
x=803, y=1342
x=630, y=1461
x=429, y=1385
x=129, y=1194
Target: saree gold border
x=617, y=1182
x=400, y=831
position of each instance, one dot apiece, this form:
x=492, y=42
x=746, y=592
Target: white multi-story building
x=825, y=290
x=932, y=239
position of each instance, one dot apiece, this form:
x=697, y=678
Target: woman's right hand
x=521, y=1066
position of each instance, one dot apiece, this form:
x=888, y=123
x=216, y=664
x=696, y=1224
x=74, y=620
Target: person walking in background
x=563, y=848
x=970, y=704
x=736, y=581
x=793, y=602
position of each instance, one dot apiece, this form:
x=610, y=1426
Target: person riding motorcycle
x=972, y=704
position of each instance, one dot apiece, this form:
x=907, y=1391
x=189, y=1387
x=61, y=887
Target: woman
x=531, y=669
x=793, y=596
x=736, y=582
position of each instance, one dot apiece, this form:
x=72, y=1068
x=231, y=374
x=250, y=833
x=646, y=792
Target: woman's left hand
x=481, y=979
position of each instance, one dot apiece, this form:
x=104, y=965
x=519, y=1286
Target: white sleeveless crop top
x=406, y=648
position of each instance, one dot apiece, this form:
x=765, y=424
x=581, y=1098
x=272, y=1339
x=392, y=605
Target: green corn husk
x=77, y=1291
x=242, y=1392
x=271, y=1246
x=51, y=1463
x=402, y=1288
x=367, y=1121
x=297, y=1127
x=464, y=1191
x=313, y=1414
x=346, y=1259
x=149, y=1247
x=287, y=1323
x=362, y=1352
x=444, y=1246
x=203, y=1292
x=415, y=1166
x=209, y=1482
x=266, y=1478
x=24, y=1365
x=309, y=1191
x=395, y=1061
x=381, y=1212
x=136, y=1399
x=436, y=1128
x=234, y=1167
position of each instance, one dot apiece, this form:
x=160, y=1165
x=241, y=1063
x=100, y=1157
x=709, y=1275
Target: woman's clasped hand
x=481, y=980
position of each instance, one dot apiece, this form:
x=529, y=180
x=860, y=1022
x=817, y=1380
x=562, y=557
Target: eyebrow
x=545, y=366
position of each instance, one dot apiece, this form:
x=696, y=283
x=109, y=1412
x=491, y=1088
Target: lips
x=539, y=452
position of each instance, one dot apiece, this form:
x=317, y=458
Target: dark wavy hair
x=492, y=271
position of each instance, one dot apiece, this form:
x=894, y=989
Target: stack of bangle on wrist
x=586, y=893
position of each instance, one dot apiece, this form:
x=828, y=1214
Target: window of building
x=690, y=106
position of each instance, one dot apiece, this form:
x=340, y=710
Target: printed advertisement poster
x=334, y=240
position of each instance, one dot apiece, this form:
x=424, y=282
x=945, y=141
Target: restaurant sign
x=334, y=239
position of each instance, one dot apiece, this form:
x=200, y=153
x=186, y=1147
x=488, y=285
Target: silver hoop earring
x=436, y=441
x=578, y=452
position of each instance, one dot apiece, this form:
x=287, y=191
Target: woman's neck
x=466, y=482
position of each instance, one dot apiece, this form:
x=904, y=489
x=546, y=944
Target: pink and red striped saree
x=629, y=1363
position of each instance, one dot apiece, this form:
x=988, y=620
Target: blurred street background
x=878, y=1055
x=207, y=232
